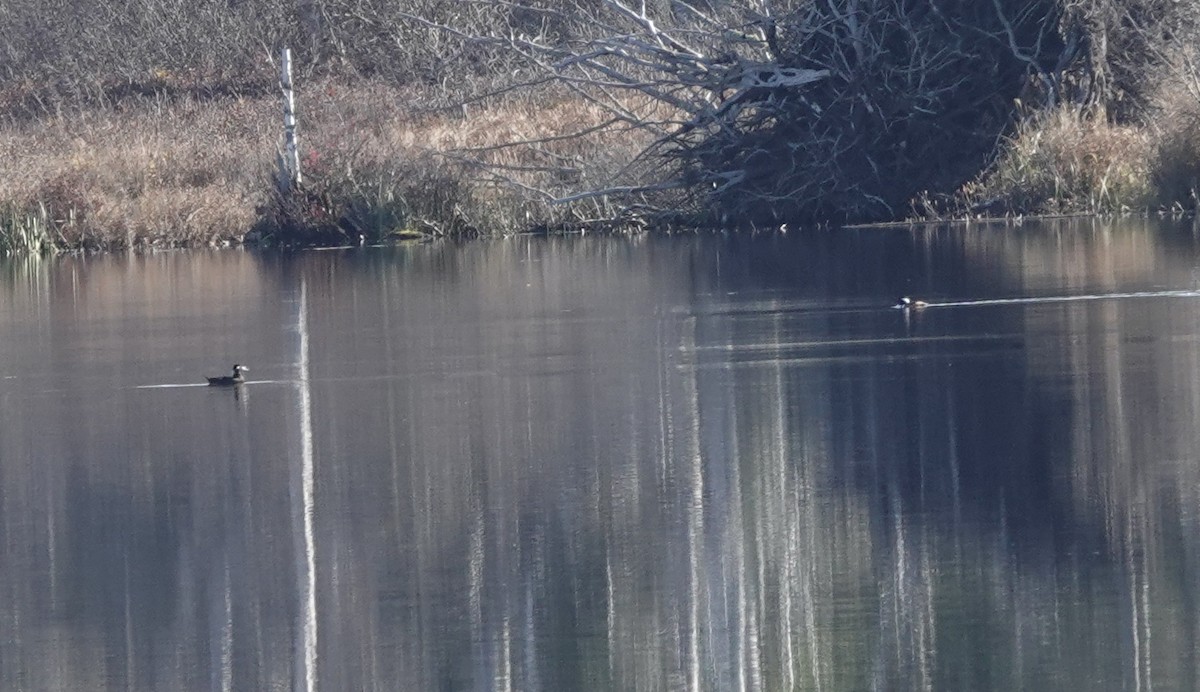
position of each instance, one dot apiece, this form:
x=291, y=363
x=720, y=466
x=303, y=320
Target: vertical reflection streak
x=306, y=565
x=665, y=424
x=475, y=566
x=610, y=612
x=1144, y=574
x=788, y=513
x=694, y=511
x=741, y=632
x=128, y=614
x=955, y=463
x=396, y=494
x=225, y=648
x=928, y=616
x=1135, y=629
x=52, y=548
x=761, y=622
x=504, y=677
x=898, y=600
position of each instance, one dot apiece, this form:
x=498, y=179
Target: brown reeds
x=1175, y=122
x=198, y=172
x=376, y=170
x=152, y=174
x=1066, y=161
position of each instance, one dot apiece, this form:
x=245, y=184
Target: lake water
x=697, y=462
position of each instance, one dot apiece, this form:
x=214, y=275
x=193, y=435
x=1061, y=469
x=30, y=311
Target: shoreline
x=384, y=163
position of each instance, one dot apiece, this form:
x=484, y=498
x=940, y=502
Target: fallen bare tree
x=766, y=112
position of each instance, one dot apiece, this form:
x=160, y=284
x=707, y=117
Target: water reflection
x=653, y=464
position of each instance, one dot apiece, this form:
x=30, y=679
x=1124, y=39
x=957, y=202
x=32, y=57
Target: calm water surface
x=668, y=463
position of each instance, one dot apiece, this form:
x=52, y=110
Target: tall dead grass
x=1065, y=161
x=156, y=174
x=199, y=172
x=1176, y=156
x=376, y=171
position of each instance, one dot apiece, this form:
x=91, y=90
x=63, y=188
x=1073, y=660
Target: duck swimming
x=229, y=380
x=907, y=303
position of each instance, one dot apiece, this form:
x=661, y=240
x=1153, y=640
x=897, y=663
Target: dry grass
x=194, y=172
x=186, y=173
x=1176, y=156
x=484, y=169
x=1065, y=162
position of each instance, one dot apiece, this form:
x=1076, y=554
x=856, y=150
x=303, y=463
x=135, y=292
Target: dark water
x=693, y=462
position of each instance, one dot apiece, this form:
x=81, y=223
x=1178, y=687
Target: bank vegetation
x=156, y=123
